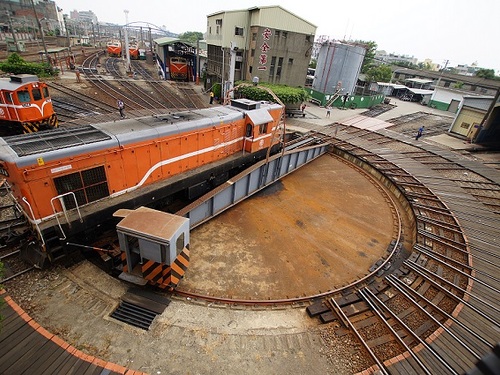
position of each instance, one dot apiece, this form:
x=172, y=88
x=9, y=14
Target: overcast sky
x=460, y=31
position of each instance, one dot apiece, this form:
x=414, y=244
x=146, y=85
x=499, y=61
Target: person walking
x=211, y=97
x=121, y=108
x=420, y=132
x=328, y=109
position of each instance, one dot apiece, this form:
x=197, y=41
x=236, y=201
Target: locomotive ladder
x=248, y=183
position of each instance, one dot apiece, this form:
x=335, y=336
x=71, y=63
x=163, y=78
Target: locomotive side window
x=45, y=92
x=263, y=128
x=88, y=186
x=37, y=94
x=249, y=130
x=24, y=96
x=8, y=96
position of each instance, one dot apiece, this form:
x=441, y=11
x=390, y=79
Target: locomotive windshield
x=23, y=96
x=37, y=94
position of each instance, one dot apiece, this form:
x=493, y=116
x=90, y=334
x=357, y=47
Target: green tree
x=486, y=73
x=15, y=64
x=369, y=58
x=191, y=36
x=381, y=73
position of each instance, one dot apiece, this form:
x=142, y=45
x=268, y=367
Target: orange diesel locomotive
x=179, y=69
x=70, y=182
x=25, y=105
x=114, y=48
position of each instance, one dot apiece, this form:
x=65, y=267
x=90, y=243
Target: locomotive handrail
x=34, y=220
x=64, y=210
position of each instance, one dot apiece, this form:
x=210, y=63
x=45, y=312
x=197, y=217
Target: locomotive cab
x=154, y=246
x=258, y=125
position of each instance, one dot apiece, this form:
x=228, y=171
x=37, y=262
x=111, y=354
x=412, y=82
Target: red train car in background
x=25, y=105
x=114, y=48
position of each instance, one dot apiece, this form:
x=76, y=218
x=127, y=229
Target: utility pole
x=442, y=71
x=67, y=34
x=41, y=32
x=126, y=41
x=13, y=32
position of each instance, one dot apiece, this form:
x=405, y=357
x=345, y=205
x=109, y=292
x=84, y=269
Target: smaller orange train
x=25, y=105
x=114, y=48
x=179, y=68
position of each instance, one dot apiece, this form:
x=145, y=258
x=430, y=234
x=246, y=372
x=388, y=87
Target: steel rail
x=341, y=313
x=396, y=335
x=417, y=337
x=435, y=256
x=420, y=270
x=392, y=280
x=443, y=326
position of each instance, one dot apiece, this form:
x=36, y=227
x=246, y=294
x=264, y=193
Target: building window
x=280, y=64
x=285, y=34
x=290, y=61
x=210, y=29
x=308, y=38
x=252, y=52
x=239, y=59
x=473, y=88
x=447, y=84
x=250, y=68
x=238, y=31
x=217, y=30
x=218, y=21
x=277, y=34
x=465, y=125
x=271, y=68
x=254, y=36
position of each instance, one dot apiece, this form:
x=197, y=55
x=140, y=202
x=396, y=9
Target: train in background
x=114, y=48
x=69, y=183
x=180, y=70
x=133, y=50
x=25, y=105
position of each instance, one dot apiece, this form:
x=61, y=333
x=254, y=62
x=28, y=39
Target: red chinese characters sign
x=264, y=48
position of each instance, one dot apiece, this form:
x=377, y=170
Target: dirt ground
x=322, y=226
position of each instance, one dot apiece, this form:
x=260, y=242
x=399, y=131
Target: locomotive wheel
x=32, y=252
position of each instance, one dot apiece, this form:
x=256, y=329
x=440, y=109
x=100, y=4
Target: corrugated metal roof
x=393, y=85
x=419, y=80
x=169, y=40
x=421, y=91
x=480, y=102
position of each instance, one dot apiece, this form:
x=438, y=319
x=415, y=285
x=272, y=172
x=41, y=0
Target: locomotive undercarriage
x=94, y=233
x=9, y=128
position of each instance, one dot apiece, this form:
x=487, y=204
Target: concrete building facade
x=268, y=43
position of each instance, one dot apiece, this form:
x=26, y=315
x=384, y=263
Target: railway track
x=436, y=312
